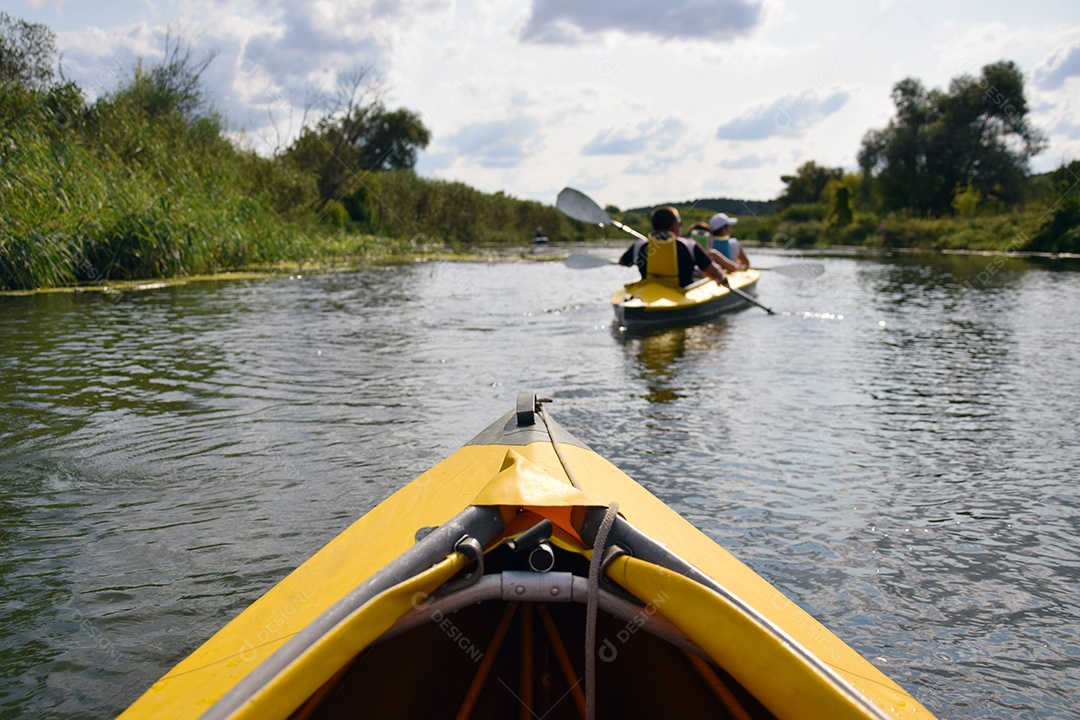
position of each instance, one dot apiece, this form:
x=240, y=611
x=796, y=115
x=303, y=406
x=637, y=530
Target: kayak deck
x=468, y=593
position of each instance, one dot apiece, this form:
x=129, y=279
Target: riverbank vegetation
x=950, y=171
x=144, y=181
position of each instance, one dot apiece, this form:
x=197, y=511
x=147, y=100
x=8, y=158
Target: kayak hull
x=650, y=303
x=469, y=593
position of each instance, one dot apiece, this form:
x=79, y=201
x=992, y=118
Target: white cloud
x=964, y=48
x=99, y=60
x=301, y=46
x=790, y=115
x=496, y=143
x=650, y=165
x=571, y=22
x=625, y=140
x=746, y=162
x=139, y=39
x=1063, y=64
x=1069, y=127
x=433, y=162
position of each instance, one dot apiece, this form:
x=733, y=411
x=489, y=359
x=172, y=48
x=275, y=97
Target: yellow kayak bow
x=524, y=576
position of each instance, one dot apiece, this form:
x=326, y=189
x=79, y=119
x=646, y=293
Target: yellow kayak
x=652, y=303
x=524, y=576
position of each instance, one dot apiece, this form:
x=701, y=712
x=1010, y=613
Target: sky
x=635, y=102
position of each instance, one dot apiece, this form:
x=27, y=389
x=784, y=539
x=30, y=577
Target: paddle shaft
x=629, y=229
x=798, y=270
x=750, y=298
x=587, y=262
x=579, y=261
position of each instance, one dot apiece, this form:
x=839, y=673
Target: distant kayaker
x=665, y=255
x=725, y=250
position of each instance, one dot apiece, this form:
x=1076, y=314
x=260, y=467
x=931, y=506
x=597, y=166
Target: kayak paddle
x=800, y=270
x=587, y=262
x=579, y=206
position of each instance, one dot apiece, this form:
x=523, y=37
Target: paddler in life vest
x=726, y=251
x=666, y=256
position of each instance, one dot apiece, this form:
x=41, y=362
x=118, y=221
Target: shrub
x=805, y=212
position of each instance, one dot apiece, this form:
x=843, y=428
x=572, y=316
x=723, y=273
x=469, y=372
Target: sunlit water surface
x=896, y=450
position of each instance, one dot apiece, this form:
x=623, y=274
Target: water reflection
x=906, y=275
x=657, y=356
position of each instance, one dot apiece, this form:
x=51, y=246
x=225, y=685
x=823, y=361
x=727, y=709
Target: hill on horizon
x=724, y=205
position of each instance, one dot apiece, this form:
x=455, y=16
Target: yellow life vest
x=663, y=258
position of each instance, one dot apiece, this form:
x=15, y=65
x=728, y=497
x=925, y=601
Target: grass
x=1014, y=231
x=121, y=190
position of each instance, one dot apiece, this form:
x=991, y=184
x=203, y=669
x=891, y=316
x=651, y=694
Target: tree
x=975, y=132
x=389, y=140
x=27, y=53
x=32, y=97
x=178, y=80
x=838, y=195
x=1060, y=231
x=900, y=151
x=966, y=199
x=360, y=135
x=807, y=184
x=172, y=87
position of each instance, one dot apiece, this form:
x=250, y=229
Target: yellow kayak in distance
x=650, y=303
x=524, y=576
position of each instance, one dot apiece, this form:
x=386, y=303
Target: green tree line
x=950, y=170
x=143, y=181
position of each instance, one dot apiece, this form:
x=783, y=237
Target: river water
x=896, y=450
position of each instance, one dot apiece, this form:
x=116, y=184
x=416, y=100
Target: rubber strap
x=596, y=563
x=555, y=444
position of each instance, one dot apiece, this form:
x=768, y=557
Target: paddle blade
x=586, y=262
x=799, y=270
x=578, y=205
